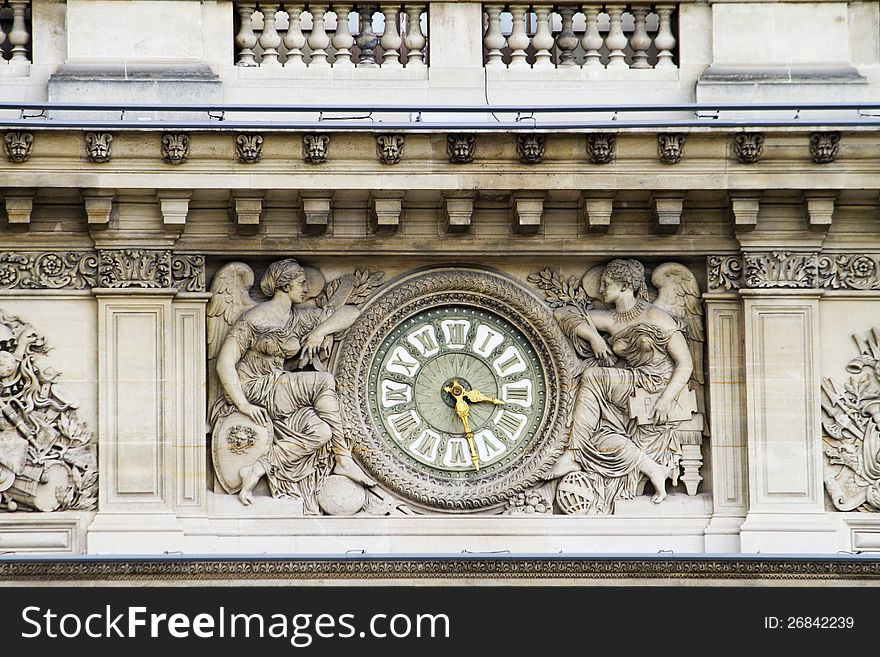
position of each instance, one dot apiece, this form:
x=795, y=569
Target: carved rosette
x=849, y=272
x=781, y=269
x=48, y=271
x=121, y=268
x=423, y=291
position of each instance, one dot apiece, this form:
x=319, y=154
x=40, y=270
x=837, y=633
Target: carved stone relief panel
x=842, y=271
x=48, y=270
x=851, y=423
x=147, y=268
x=48, y=458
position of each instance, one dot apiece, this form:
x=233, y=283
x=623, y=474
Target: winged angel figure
x=253, y=394
x=634, y=402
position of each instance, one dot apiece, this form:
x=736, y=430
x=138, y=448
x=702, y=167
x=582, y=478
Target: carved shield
x=236, y=442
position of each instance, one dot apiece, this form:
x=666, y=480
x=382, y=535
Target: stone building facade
x=424, y=278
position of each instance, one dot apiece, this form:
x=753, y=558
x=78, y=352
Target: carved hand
x=255, y=413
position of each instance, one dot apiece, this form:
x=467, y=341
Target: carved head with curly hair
x=628, y=274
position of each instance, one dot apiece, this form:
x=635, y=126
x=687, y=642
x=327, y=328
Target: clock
x=454, y=385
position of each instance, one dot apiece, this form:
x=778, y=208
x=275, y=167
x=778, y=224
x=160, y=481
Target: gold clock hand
x=475, y=397
x=461, y=410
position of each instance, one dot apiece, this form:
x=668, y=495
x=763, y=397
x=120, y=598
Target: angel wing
x=679, y=295
x=231, y=299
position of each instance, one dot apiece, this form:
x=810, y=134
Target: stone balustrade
x=15, y=32
x=589, y=36
x=312, y=35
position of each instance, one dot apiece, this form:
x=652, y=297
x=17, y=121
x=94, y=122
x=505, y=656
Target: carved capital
x=249, y=148
x=461, y=148
x=18, y=146
x=531, y=148
x=135, y=268
x=781, y=269
x=98, y=146
x=600, y=148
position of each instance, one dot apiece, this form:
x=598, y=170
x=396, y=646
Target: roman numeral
x=519, y=392
x=455, y=332
x=486, y=340
x=510, y=362
x=511, y=423
x=424, y=341
x=426, y=445
x=395, y=393
x=457, y=453
x=488, y=445
x=402, y=362
x=404, y=423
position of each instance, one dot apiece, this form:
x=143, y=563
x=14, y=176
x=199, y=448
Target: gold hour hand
x=475, y=397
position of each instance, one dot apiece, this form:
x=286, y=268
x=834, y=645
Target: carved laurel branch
x=48, y=271
x=424, y=291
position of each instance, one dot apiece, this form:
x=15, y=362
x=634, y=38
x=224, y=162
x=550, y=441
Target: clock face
x=438, y=347
x=411, y=386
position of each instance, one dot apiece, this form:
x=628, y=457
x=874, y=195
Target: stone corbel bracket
x=248, y=208
x=744, y=210
x=99, y=206
x=19, y=205
x=668, y=207
x=386, y=210
x=819, y=208
x=458, y=209
x=598, y=208
x=528, y=212
x=174, y=206
x=317, y=211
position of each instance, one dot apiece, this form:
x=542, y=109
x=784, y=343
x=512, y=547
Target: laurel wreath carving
x=467, y=287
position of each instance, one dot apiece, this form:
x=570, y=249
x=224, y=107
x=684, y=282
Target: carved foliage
x=853, y=272
x=531, y=148
x=851, y=420
x=98, y=146
x=748, y=146
x=249, y=148
x=18, y=145
x=461, y=148
x=175, y=147
x=781, y=269
x=824, y=146
x=389, y=148
x=670, y=147
x=134, y=268
x=48, y=457
x=48, y=271
x=188, y=272
x=316, y=148
x=725, y=272
x=600, y=148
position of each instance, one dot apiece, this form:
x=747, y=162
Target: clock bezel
x=458, y=286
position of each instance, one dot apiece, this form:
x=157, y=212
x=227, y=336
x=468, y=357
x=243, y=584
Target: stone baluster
x=519, y=38
x=319, y=40
x=245, y=39
x=18, y=35
x=494, y=40
x=269, y=39
x=367, y=40
x=415, y=41
x=639, y=42
x=294, y=39
x=342, y=39
x=543, y=39
x=391, y=40
x=665, y=41
x=592, y=40
x=616, y=40
x=566, y=41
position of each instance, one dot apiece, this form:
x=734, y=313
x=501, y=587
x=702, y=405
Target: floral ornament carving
x=824, y=146
x=48, y=271
x=188, y=272
x=461, y=148
x=315, y=148
x=48, y=457
x=98, y=146
x=531, y=148
x=670, y=147
x=600, y=147
x=851, y=423
x=781, y=269
x=175, y=147
x=389, y=148
x=748, y=146
x=249, y=148
x=725, y=272
x=851, y=272
x=18, y=146
x=134, y=268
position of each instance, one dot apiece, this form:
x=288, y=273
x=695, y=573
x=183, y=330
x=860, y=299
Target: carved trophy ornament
x=531, y=148
x=389, y=148
x=851, y=420
x=175, y=147
x=461, y=148
x=748, y=146
x=824, y=146
x=316, y=148
x=249, y=148
x=600, y=148
x=283, y=423
x=48, y=458
x=18, y=146
x=670, y=147
x=638, y=414
x=98, y=146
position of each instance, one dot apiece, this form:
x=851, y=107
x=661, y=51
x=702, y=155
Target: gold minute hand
x=461, y=410
x=475, y=397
